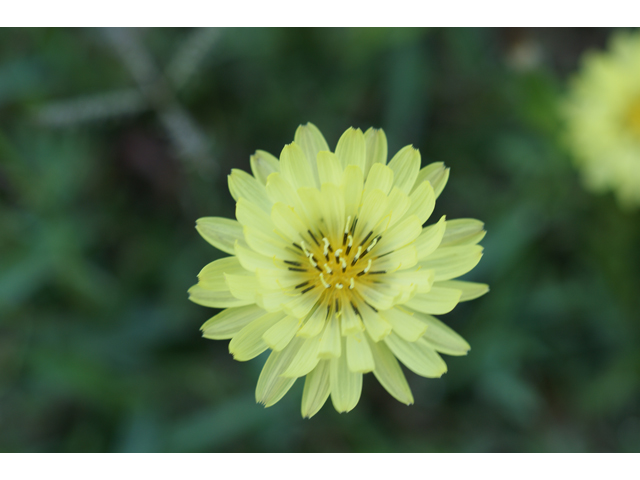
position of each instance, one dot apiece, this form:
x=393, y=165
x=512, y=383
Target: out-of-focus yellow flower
x=602, y=114
x=332, y=270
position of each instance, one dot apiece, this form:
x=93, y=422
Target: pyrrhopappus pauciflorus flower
x=331, y=270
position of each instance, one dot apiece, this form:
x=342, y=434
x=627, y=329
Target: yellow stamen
x=367, y=267
x=326, y=246
x=324, y=282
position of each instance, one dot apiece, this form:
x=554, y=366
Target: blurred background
x=113, y=142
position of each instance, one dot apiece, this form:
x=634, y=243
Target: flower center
x=339, y=266
x=336, y=266
x=632, y=117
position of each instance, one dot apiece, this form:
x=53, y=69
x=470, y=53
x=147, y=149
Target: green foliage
x=112, y=144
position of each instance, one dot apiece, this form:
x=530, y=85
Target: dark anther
x=314, y=238
x=366, y=238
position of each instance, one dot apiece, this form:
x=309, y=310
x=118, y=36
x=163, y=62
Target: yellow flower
x=331, y=269
x=602, y=114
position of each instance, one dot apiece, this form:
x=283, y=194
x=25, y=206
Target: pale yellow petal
x=243, y=185
x=397, y=206
x=451, y=262
x=303, y=303
x=248, y=342
x=405, y=165
x=312, y=142
x=436, y=174
x=377, y=327
x=441, y=337
x=316, y=389
x=330, y=344
x=350, y=323
x=352, y=182
x=389, y=373
x=295, y=167
x=230, y=321
x=286, y=220
x=329, y=168
x=252, y=260
x=359, y=358
x=374, y=297
x=315, y=322
x=211, y=277
x=404, y=324
x=279, y=335
x=346, y=386
x=404, y=296
x=463, y=231
x=280, y=279
x=419, y=356
x=305, y=360
x=272, y=300
x=380, y=177
x=244, y=287
x=470, y=290
x=401, y=259
x=332, y=200
x=280, y=190
x=220, y=232
x=215, y=299
x=430, y=239
x=423, y=201
x=374, y=206
x=376, y=144
x=272, y=385
x=351, y=148
x=400, y=235
x=416, y=280
x=263, y=164
x=437, y=301
x=250, y=215
x=311, y=199
x=269, y=245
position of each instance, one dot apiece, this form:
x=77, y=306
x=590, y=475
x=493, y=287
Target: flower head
x=602, y=113
x=332, y=270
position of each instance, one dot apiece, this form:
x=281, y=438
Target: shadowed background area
x=113, y=142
